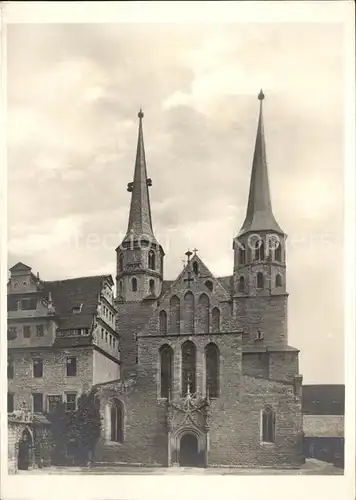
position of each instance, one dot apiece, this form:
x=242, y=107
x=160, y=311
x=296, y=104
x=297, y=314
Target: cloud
x=73, y=96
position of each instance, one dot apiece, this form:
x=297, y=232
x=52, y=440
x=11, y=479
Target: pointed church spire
x=140, y=221
x=259, y=216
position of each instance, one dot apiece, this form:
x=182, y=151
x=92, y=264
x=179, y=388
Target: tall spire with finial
x=140, y=221
x=259, y=216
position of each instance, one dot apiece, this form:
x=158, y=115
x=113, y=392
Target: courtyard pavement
x=311, y=467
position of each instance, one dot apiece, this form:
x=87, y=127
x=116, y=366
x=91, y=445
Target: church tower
x=260, y=256
x=140, y=256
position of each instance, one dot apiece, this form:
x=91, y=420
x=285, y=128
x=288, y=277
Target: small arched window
x=278, y=252
x=268, y=425
x=117, y=421
x=152, y=287
x=242, y=255
x=163, y=322
x=121, y=288
x=215, y=320
x=134, y=284
x=121, y=263
x=261, y=250
x=241, y=284
x=152, y=260
x=260, y=280
x=209, y=285
x=196, y=268
x=278, y=280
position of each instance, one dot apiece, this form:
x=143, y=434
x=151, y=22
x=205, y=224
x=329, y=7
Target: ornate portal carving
x=191, y=410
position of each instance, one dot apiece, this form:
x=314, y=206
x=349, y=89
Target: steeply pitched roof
x=20, y=267
x=70, y=293
x=227, y=282
x=259, y=216
x=323, y=399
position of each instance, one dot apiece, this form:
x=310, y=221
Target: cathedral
x=207, y=376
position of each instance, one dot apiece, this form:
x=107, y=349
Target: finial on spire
x=140, y=114
x=261, y=95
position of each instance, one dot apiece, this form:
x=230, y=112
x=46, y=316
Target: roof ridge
x=78, y=278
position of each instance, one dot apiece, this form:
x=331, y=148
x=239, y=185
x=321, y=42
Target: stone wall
x=54, y=380
x=235, y=431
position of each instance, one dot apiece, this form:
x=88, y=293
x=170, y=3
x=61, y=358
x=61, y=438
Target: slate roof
x=323, y=399
x=227, y=282
x=67, y=294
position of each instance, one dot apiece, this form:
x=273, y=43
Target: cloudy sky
x=73, y=96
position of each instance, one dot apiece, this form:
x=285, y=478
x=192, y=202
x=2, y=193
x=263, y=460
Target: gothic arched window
x=209, y=285
x=174, y=315
x=196, y=268
x=152, y=260
x=278, y=280
x=278, y=252
x=163, y=322
x=166, y=361
x=215, y=316
x=212, y=361
x=268, y=425
x=242, y=255
x=152, y=287
x=121, y=288
x=188, y=367
x=188, y=313
x=117, y=421
x=203, y=313
x=241, y=284
x=260, y=280
x=134, y=284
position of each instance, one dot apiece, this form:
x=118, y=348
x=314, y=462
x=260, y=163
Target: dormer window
x=77, y=309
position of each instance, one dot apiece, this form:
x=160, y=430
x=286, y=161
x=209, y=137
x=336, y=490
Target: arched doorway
x=188, y=451
x=24, y=457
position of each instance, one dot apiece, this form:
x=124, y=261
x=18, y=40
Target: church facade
x=207, y=374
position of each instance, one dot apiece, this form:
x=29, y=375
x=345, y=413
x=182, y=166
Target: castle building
x=61, y=339
x=195, y=371
x=208, y=376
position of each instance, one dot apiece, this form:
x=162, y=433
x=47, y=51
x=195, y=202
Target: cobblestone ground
x=311, y=467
